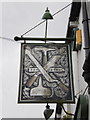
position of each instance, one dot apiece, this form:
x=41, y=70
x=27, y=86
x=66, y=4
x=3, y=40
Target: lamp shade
x=47, y=15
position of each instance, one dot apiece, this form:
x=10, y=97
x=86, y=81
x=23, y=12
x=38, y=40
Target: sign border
x=70, y=70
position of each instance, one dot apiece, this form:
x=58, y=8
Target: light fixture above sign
x=47, y=15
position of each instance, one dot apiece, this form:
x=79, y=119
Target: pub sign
x=46, y=73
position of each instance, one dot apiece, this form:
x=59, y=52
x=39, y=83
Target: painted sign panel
x=46, y=73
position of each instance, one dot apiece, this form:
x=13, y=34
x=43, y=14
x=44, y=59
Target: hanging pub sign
x=46, y=73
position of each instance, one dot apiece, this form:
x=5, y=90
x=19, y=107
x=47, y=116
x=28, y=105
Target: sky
x=18, y=17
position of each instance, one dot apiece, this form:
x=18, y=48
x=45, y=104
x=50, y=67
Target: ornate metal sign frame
x=46, y=73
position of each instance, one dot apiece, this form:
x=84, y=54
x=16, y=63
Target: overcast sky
x=18, y=17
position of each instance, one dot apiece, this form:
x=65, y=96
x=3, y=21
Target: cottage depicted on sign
x=46, y=73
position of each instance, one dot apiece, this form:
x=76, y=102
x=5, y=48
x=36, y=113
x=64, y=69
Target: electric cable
x=85, y=90
x=32, y=28
x=78, y=93
x=6, y=38
x=71, y=113
x=37, y=24
x=45, y=20
x=66, y=111
x=9, y=39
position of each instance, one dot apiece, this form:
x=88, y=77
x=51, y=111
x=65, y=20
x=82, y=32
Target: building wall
x=79, y=82
x=88, y=11
x=78, y=58
x=81, y=57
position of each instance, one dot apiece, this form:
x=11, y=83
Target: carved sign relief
x=46, y=74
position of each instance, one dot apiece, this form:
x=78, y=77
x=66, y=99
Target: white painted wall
x=71, y=107
x=78, y=59
x=81, y=57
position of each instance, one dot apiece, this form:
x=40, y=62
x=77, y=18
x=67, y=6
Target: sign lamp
x=47, y=15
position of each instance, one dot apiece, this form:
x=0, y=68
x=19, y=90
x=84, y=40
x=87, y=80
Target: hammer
x=44, y=50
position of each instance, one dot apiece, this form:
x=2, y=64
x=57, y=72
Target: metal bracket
x=85, y=20
x=42, y=39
